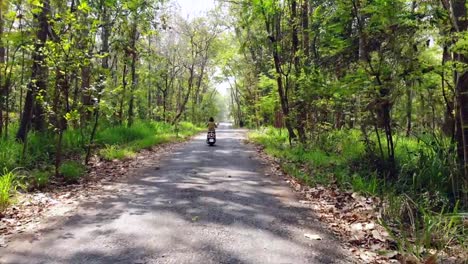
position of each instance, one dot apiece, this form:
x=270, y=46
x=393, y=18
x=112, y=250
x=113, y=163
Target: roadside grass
x=123, y=143
x=419, y=202
x=113, y=152
x=72, y=171
x=40, y=178
x=112, y=142
x=7, y=187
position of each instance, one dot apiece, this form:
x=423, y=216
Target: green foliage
x=417, y=229
x=10, y=154
x=124, y=135
x=124, y=142
x=417, y=201
x=428, y=165
x=7, y=187
x=72, y=171
x=187, y=129
x=41, y=178
x=118, y=142
x=114, y=152
x=149, y=142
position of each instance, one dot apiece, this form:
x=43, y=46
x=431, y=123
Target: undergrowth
x=112, y=142
x=7, y=187
x=420, y=210
x=72, y=171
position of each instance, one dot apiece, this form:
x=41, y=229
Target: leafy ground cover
x=30, y=167
x=30, y=209
x=413, y=215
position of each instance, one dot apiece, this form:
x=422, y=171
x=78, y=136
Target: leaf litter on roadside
x=349, y=215
x=31, y=208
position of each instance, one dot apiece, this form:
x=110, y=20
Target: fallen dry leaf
x=431, y=260
x=377, y=235
x=313, y=236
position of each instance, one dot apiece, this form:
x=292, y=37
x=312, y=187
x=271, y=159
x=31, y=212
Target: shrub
x=41, y=178
x=123, y=135
x=74, y=142
x=72, y=171
x=185, y=129
x=7, y=186
x=420, y=201
x=39, y=149
x=114, y=152
x=149, y=142
x=10, y=154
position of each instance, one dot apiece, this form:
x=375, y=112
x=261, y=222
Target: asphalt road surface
x=200, y=204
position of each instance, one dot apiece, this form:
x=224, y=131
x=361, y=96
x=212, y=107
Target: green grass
x=41, y=178
x=123, y=142
x=10, y=154
x=420, y=199
x=72, y=171
x=114, y=152
x=120, y=135
x=423, y=165
x=112, y=142
x=7, y=186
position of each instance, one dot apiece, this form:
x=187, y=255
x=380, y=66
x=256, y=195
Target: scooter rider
x=212, y=125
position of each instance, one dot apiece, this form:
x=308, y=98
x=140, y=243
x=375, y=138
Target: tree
x=38, y=83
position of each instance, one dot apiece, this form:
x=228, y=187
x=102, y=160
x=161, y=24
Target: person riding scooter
x=212, y=125
x=211, y=137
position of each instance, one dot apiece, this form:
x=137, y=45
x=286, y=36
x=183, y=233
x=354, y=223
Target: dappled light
x=210, y=202
x=234, y=131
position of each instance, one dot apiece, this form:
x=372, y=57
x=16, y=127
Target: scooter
x=211, y=138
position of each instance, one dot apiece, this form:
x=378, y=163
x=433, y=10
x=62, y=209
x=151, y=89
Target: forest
x=370, y=95
x=367, y=95
x=82, y=75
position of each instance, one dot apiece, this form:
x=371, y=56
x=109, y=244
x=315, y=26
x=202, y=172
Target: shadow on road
x=203, y=204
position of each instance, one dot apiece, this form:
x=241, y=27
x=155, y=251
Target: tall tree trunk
x=305, y=30
x=2, y=64
x=459, y=11
x=150, y=87
x=61, y=89
x=106, y=31
x=23, y=59
x=409, y=107
x=301, y=112
x=124, y=91
x=449, y=119
x=38, y=81
x=86, y=95
x=273, y=27
x=133, y=74
x=187, y=95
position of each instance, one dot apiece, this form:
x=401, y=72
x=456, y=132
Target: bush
x=122, y=142
x=123, y=135
x=72, y=171
x=41, y=178
x=186, y=129
x=420, y=200
x=115, y=152
x=7, y=186
x=10, y=154
x=149, y=142
x=74, y=142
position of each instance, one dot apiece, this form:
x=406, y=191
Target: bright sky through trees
x=196, y=8
x=193, y=8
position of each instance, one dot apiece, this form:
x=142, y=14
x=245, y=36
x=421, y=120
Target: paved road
x=201, y=204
